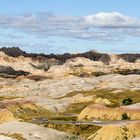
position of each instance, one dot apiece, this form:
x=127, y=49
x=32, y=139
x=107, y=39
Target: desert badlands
x=89, y=96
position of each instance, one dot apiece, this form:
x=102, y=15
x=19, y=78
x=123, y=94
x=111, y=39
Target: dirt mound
x=117, y=132
x=6, y=116
x=97, y=111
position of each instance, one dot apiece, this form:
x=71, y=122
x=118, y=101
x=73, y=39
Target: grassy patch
x=25, y=113
x=115, y=98
x=85, y=93
x=83, y=131
x=76, y=108
x=62, y=117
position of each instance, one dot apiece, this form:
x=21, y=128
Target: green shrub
x=125, y=116
x=127, y=101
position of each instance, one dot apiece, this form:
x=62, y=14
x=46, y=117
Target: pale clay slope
x=5, y=138
x=117, y=133
x=50, y=89
x=34, y=132
x=137, y=138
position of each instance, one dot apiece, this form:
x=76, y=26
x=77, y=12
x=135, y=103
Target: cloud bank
x=99, y=27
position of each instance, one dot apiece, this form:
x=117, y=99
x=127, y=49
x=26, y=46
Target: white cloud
x=101, y=26
x=112, y=20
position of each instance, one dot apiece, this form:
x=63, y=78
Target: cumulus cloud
x=112, y=20
x=101, y=26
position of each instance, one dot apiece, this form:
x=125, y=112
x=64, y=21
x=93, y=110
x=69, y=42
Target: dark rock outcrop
x=128, y=71
x=14, y=51
x=92, y=55
x=9, y=72
x=129, y=57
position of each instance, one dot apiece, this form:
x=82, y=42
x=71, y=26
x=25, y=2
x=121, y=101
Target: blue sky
x=59, y=26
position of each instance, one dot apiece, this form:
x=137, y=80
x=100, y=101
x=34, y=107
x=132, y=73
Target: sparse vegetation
x=127, y=101
x=116, y=99
x=81, y=130
x=98, y=73
x=26, y=113
x=77, y=107
x=125, y=116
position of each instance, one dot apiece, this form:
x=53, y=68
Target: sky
x=71, y=26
